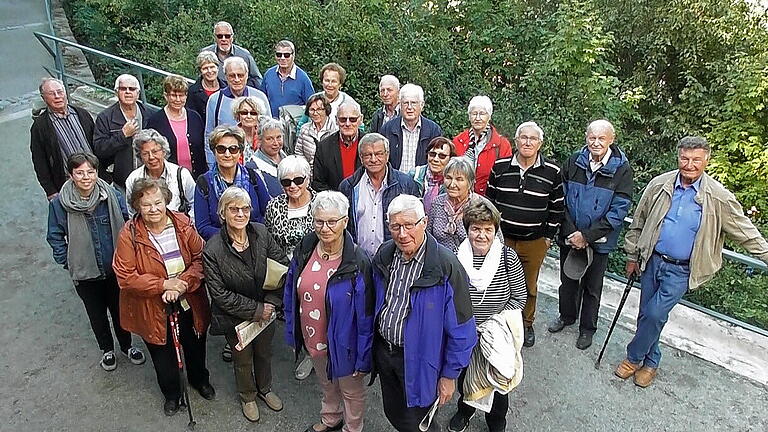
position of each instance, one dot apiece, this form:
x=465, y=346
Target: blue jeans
x=662, y=286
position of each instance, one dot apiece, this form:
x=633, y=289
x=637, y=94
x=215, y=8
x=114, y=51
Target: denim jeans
x=662, y=286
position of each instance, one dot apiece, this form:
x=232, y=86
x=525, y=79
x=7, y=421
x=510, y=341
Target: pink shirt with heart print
x=312, y=314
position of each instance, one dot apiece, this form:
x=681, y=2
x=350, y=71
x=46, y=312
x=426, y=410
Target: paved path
x=22, y=54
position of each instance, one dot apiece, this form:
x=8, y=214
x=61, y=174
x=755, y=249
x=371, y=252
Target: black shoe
x=171, y=406
x=338, y=427
x=498, y=428
x=584, y=341
x=558, y=324
x=459, y=422
x=206, y=391
x=529, y=338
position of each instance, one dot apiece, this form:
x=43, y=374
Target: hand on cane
x=632, y=268
x=174, y=288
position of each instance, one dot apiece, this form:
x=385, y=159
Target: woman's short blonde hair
x=481, y=210
x=251, y=102
x=175, y=83
x=222, y=131
x=232, y=194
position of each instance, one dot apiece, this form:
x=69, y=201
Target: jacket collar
x=141, y=234
x=309, y=243
x=431, y=274
x=250, y=231
x=617, y=159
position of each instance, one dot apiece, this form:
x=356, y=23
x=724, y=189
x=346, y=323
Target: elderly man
x=60, y=131
x=527, y=188
x=115, y=128
x=598, y=184
x=425, y=330
x=224, y=47
x=679, y=211
x=371, y=189
x=219, y=107
x=336, y=157
x=409, y=133
x=389, y=93
x=285, y=83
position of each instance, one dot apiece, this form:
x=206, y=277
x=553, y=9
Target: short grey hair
x=601, y=124
x=293, y=165
x=271, y=124
x=225, y=130
x=391, y=79
x=531, y=125
x=206, y=57
x=463, y=165
x=483, y=102
x=223, y=24
x=252, y=101
x=146, y=135
x=330, y=200
x=694, y=143
x=235, y=61
x=371, y=139
x=46, y=80
x=412, y=90
x=285, y=43
x=405, y=203
x=349, y=104
x=232, y=194
x=126, y=77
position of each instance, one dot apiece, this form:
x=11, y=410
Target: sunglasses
x=220, y=149
x=252, y=113
x=441, y=156
x=347, y=119
x=224, y=36
x=129, y=89
x=283, y=55
x=298, y=181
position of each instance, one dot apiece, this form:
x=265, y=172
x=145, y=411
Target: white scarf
x=482, y=277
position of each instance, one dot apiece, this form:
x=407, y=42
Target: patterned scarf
x=242, y=180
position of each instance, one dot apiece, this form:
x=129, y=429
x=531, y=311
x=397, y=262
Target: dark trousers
x=100, y=296
x=253, y=365
x=497, y=418
x=391, y=370
x=166, y=365
x=584, y=294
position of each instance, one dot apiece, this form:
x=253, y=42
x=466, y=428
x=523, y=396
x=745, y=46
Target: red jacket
x=497, y=147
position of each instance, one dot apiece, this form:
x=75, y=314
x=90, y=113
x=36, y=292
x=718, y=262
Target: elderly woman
x=444, y=221
x=429, y=177
x=481, y=143
x=269, y=155
x=207, y=83
x=249, y=112
x=332, y=77
x=235, y=263
x=496, y=284
x=153, y=149
x=329, y=312
x=227, y=143
x=158, y=261
x=182, y=128
x=318, y=110
x=287, y=217
x=84, y=220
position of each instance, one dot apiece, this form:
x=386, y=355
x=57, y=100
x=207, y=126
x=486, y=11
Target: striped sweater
x=531, y=204
x=507, y=289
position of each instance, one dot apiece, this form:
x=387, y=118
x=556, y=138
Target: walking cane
x=173, y=313
x=630, y=282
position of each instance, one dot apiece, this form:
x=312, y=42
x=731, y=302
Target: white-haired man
x=224, y=47
x=336, y=157
x=389, y=94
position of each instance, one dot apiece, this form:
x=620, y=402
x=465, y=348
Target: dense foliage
x=658, y=69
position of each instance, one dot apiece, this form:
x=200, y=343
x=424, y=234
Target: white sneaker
x=304, y=369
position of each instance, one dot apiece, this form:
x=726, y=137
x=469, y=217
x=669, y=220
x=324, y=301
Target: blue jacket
x=439, y=330
x=98, y=224
x=207, y=219
x=597, y=203
x=394, y=133
x=398, y=183
x=291, y=92
x=349, y=303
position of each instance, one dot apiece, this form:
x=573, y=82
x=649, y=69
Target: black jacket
x=50, y=166
x=377, y=121
x=197, y=99
x=327, y=173
x=235, y=286
x=111, y=146
x=195, y=136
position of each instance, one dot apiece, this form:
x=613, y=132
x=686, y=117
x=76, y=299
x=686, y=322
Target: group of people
x=412, y=257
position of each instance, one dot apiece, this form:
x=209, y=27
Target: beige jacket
x=720, y=214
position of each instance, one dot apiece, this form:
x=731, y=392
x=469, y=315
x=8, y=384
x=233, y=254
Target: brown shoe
x=272, y=400
x=626, y=369
x=251, y=411
x=644, y=376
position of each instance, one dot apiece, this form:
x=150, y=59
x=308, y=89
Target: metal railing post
x=142, y=91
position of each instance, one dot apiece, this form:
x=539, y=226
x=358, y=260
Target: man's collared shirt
x=410, y=144
x=595, y=166
x=291, y=74
x=369, y=214
x=387, y=116
x=523, y=170
x=402, y=274
x=682, y=222
x=69, y=133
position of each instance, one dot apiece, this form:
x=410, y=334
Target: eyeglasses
x=410, y=103
x=298, y=181
x=83, y=174
x=395, y=228
x=224, y=36
x=329, y=223
x=220, y=149
x=343, y=120
x=316, y=110
x=434, y=154
x=147, y=154
x=283, y=55
x=684, y=161
x=235, y=76
x=59, y=92
x=377, y=155
x=250, y=113
x=127, y=89
x=234, y=211
x=530, y=139
x=479, y=114
x=600, y=140
x=176, y=95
